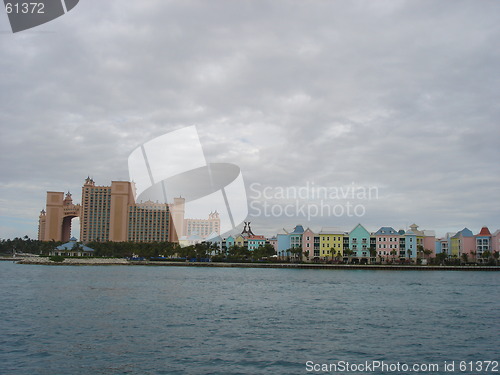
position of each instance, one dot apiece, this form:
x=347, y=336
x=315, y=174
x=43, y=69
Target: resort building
x=110, y=213
x=203, y=227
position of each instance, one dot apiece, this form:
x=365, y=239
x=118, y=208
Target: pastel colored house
x=446, y=243
x=387, y=243
x=239, y=240
x=359, y=241
x=463, y=243
x=495, y=241
x=483, y=242
x=289, y=240
x=228, y=243
x=283, y=241
x=331, y=242
x=255, y=242
x=410, y=244
x=273, y=241
x=426, y=240
x=430, y=241
x=437, y=246
x=308, y=243
x=296, y=236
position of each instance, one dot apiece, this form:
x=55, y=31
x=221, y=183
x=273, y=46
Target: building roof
x=257, y=237
x=385, y=231
x=464, y=233
x=299, y=229
x=212, y=235
x=331, y=230
x=484, y=232
x=359, y=226
x=71, y=244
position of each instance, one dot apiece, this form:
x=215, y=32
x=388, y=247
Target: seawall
x=125, y=262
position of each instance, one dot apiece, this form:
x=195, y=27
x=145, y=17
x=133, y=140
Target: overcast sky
x=399, y=95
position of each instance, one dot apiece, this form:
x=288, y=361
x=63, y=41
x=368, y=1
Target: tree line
x=146, y=250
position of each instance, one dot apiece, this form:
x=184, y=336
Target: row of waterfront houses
x=362, y=246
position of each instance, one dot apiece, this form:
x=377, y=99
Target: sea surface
x=190, y=320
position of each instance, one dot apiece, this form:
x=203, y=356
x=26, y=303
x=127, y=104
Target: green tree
x=348, y=253
x=297, y=253
x=441, y=258
x=486, y=254
x=333, y=253
x=427, y=252
x=393, y=253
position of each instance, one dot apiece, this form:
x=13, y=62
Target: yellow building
x=239, y=240
x=331, y=242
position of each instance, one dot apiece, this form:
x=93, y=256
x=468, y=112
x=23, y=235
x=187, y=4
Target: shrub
x=56, y=258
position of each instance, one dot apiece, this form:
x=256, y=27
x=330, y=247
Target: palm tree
x=393, y=253
x=297, y=253
x=348, y=252
x=420, y=250
x=332, y=253
x=465, y=257
x=427, y=252
x=486, y=254
x=496, y=255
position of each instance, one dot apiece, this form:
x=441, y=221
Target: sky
x=398, y=96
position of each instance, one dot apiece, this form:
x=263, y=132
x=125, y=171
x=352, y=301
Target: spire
x=248, y=231
x=68, y=199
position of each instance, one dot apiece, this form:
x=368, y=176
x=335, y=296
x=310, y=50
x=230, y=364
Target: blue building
x=359, y=241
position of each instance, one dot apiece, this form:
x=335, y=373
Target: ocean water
x=187, y=320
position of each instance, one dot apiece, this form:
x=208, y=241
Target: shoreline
x=125, y=262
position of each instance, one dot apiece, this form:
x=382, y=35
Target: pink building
x=308, y=243
x=430, y=241
x=495, y=241
x=387, y=243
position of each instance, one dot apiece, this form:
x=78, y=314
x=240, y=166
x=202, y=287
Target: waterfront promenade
x=125, y=262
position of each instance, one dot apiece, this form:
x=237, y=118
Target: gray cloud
x=401, y=95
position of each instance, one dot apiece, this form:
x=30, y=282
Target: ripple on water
x=181, y=320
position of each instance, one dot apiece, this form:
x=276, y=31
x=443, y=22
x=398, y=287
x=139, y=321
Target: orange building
x=110, y=213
